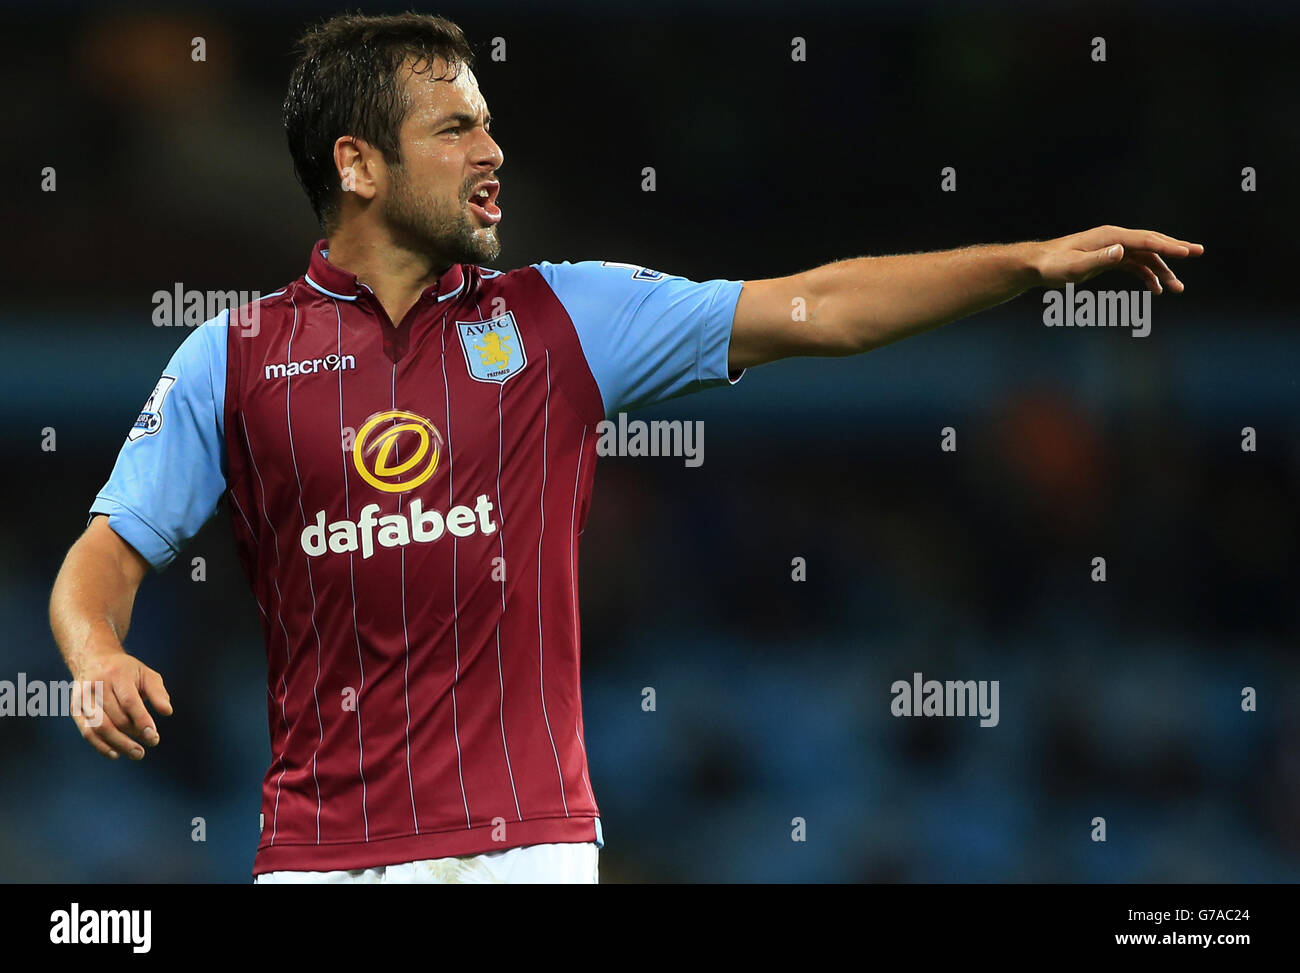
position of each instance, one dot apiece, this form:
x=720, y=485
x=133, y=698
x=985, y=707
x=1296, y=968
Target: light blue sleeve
x=647, y=336
x=171, y=471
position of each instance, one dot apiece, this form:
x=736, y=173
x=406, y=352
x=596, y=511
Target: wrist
x=100, y=645
x=1027, y=263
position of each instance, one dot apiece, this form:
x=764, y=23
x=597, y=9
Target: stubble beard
x=439, y=227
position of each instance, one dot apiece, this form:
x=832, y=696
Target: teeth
x=483, y=193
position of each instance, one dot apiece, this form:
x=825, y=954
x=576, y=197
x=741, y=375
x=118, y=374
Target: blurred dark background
x=1119, y=700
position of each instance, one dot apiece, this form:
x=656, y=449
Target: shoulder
x=264, y=314
x=608, y=272
x=597, y=286
x=521, y=284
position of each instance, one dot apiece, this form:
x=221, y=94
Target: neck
x=397, y=274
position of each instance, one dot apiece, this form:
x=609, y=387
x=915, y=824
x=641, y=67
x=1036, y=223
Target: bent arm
x=90, y=605
x=90, y=612
x=166, y=483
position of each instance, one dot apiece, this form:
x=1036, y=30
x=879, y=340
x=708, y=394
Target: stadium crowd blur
x=1119, y=699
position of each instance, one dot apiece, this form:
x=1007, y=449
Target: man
x=407, y=440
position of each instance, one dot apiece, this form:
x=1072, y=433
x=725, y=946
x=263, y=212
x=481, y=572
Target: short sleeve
x=171, y=472
x=647, y=336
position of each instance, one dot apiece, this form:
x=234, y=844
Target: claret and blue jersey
x=406, y=505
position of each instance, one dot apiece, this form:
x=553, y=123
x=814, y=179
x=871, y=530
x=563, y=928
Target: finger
x=1104, y=259
x=88, y=712
x=141, y=723
x=1138, y=240
x=88, y=734
x=1077, y=266
x=117, y=714
x=1153, y=241
x=1148, y=275
x=115, y=730
x=109, y=732
x=1194, y=249
x=1161, y=269
x=156, y=692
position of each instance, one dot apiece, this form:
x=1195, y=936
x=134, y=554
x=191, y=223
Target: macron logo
x=330, y=363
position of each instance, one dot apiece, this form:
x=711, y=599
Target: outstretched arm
x=854, y=306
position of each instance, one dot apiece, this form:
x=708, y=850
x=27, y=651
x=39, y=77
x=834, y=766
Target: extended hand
x=1080, y=256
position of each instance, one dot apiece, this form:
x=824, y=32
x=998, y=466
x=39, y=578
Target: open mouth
x=483, y=202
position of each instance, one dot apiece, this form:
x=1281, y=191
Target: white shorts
x=564, y=863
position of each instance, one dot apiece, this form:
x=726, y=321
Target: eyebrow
x=465, y=118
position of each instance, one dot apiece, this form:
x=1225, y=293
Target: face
x=435, y=200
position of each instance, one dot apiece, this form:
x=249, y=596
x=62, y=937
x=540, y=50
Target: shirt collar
x=338, y=283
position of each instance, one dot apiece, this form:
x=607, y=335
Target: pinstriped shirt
x=407, y=501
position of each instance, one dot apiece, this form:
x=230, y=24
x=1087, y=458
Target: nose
x=489, y=154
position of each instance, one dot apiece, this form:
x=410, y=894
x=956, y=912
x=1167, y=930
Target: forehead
x=432, y=92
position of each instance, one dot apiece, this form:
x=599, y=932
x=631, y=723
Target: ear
x=354, y=160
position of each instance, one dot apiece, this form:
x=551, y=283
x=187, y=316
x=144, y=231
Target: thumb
x=1109, y=255
x=156, y=692
x=1088, y=264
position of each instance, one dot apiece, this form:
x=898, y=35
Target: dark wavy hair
x=347, y=80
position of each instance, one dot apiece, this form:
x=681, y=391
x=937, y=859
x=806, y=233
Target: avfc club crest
x=493, y=349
